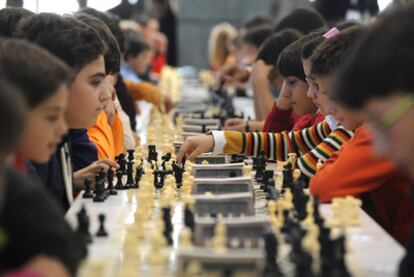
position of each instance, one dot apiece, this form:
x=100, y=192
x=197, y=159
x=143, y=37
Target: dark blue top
x=83, y=151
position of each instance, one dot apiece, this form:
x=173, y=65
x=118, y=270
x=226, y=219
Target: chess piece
x=260, y=166
x=186, y=240
x=88, y=189
x=168, y=228
x=165, y=158
x=83, y=225
x=122, y=162
x=119, y=185
x=319, y=165
x=99, y=189
x=189, y=218
x=219, y=240
x=130, y=171
x=110, y=178
x=101, y=231
x=139, y=171
x=204, y=162
x=152, y=153
x=271, y=268
x=287, y=176
x=178, y=172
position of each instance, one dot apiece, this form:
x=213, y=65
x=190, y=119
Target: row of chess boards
x=239, y=202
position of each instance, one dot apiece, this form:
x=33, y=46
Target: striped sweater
x=310, y=144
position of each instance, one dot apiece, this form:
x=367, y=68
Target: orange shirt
x=383, y=189
x=108, y=139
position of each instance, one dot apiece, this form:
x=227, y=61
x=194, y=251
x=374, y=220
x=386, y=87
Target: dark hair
x=303, y=20
x=9, y=18
x=348, y=24
x=290, y=60
x=257, y=35
x=332, y=52
x=112, y=21
x=112, y=55
x=274, y=45
x=75, y=42
x=257, y=20
x=311, y=41
x=34, y=71
x=135, y=44
x=12, y=116
x=381, y=64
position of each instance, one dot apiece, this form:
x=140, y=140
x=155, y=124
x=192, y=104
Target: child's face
x=317, y=87
x=45, y=127
x=86, y=96
x=300, y=102
x=140, y=62
x=344, y=117
x=394, y=141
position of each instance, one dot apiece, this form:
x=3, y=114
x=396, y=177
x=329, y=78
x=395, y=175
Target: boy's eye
x=52, y=118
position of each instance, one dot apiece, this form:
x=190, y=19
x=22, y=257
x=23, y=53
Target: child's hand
x=91, y=170
x=195, y=146
x=235, y=124
x=283, y=101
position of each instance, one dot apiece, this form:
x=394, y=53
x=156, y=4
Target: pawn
x=220, y=237
x=119, y=185
x=110, y=178
x=88, y=189
x=186, y=240
x=83, y=225
x=101, y=231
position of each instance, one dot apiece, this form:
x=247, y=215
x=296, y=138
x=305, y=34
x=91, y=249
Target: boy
x=385, y=96
x=82, y=49
x=355, y=170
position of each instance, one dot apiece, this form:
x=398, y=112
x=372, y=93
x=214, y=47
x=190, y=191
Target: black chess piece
x=88, y=189
x=287, y=177
x=83, y=225
x=122, y=162
x=260, y=166
x=100, y=195
x=119, y=185
x=159, y=177
x=271, y=269
x=168, y=227
x=139, y=171
x=110, y=178
x=152, y=153
x=301, y=259
x=178, y=174
x=101, y=231
x=189, y=218
x=165, y=158
x=130, y=173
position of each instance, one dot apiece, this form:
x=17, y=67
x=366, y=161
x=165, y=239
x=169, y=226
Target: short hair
x=290, y=60
x=348, y=24
x=34, y=71
x=112, y=21
x=9, y=18
x=302, y=19
x=135, y=44
x=381, y=64
x=12, y=116
x=257, y=35
x=311, y=41
x=112, y=55
x=257, y=20
x=274, y=45
x=333, y=52
x=73, y=41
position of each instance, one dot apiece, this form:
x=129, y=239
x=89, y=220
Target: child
x=80, y=47
x=9, y=18
x=382, y=188
x=252, y=41
x=265, y=75
x=315, y=143
x=379, y=85
x=43, y=81
x=35, y=238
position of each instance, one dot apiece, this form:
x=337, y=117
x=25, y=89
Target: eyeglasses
x=395, y=113
x=312, y=84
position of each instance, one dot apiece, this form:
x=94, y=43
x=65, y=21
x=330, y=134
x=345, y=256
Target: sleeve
x=332, y=143
x=277, y=146
x=352, y=171
x=118, y=134
x=144, y=91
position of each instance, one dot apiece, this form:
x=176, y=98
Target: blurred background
x=187, y=24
